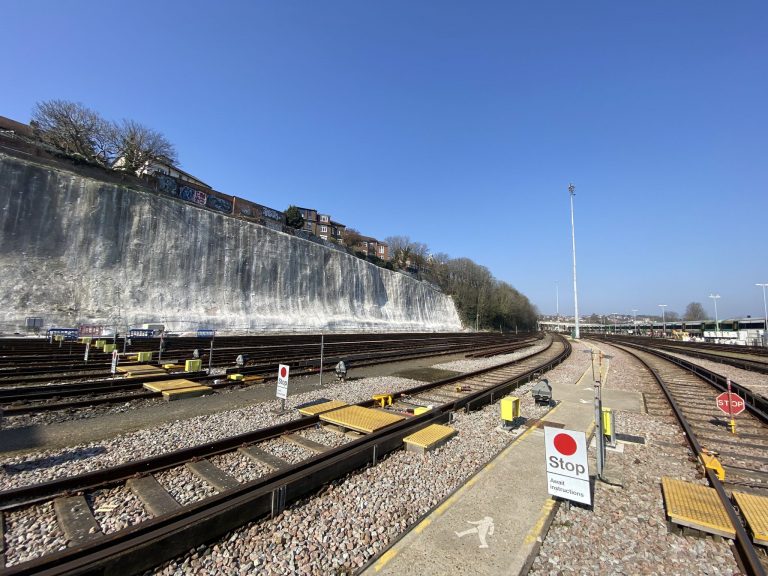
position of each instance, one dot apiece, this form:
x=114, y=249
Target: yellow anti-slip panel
x=430, y=435
x=696, y=506
x=755, y=511
x=170, y=385
x=322, y=407
x=361, y=419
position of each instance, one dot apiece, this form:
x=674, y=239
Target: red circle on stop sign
x=565, y=444
x=282, y=372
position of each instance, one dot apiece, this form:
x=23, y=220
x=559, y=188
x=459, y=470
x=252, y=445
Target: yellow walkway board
x=181, y=393
x=754, y=509
x=140, y=370
x=322, y=407
x=169, y=385
x=360, y=419
x=696, y=506
x=429, y=438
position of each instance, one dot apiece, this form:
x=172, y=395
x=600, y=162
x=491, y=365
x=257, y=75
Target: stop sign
x=730, y=403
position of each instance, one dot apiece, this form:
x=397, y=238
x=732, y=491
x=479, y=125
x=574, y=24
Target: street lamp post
x=634, y=321
x=572, y=192
x=717, y=323
x=663, y=320
x=765, y=311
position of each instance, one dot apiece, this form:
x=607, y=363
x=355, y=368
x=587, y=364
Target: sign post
x=115, y=359
x=283, y=371
x=732, y=404
x=567, y=468
x=87, y=349
x=322, y=346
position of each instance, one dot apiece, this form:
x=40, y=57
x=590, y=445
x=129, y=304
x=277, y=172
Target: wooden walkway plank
x=215, y=476
x=76, y=519
x=155, y=498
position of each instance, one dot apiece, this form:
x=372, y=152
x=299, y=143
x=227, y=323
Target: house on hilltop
x=322, y=225
x=159, y=167
x=372, y=247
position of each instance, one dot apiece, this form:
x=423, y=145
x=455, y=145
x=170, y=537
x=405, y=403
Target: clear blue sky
x=459, y=124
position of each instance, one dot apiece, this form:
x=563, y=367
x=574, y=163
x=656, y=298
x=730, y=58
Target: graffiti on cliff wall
x=192, y=195
x=273, y=214
x=220, y=204
x=167, y=184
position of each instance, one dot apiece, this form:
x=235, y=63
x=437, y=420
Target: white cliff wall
x=74, y=249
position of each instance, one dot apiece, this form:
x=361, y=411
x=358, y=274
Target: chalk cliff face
x=74, y=249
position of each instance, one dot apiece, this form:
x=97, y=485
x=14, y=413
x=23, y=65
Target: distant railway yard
x=185, y=460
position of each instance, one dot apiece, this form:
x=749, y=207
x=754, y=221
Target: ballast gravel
x=626, y=532
x=338, y=530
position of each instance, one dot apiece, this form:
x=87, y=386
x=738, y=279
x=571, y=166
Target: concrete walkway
x=494, y=523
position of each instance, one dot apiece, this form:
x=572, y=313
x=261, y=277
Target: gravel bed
x=286, y=450
x=324, y=437
x=755, y=381
x=184, y=486
x=57, y=416
x=44, y=465
x=32, y=532
x=117, y=508
x=340, y=529
x=626, y=532
x=472, y=364
x=240, y=466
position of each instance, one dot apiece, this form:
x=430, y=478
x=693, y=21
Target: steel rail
x=90, y=480
x=747, y=553
x=20, y=394
x=148, y=544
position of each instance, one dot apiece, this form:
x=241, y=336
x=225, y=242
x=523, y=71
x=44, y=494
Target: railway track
x=691, y=390
x=22, y=399
x=752, y=359
x=297, y=456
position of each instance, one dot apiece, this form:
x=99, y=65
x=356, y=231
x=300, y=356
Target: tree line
x=81, y=132
x=482, y=301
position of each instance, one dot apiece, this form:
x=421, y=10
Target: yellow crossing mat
x=430, y=436
x=140, y=370
x=755, y=511
x=170, y=385
x=322, y=407
x=696, y=506
x=361, y=419
x=180, y=393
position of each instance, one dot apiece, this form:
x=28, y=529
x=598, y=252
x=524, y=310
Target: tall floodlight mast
x=572, y=192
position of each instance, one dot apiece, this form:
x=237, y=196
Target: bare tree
x=405, y=252
x=138, y=145
x=671, y=316
x=351, y=237
x=75, y=129
x=695, y=311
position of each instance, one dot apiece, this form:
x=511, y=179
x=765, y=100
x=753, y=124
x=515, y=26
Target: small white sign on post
x=87, y=350
x=282, y=381
x=115, y=357
x=567, y=469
